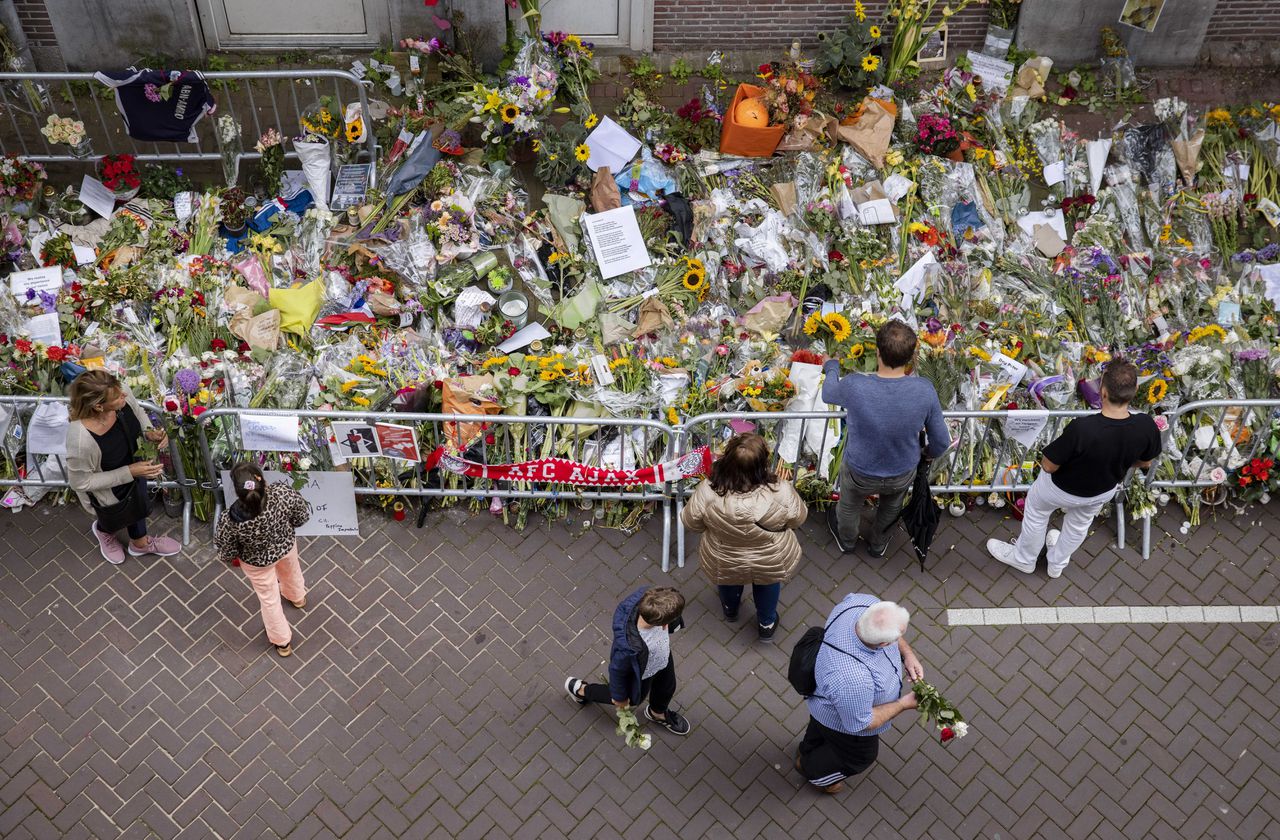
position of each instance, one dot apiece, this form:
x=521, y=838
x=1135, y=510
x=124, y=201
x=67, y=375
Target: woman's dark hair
x=743, y=467
x=251, y=487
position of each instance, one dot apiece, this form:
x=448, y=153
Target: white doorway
x=618, y=24
x=281, y=24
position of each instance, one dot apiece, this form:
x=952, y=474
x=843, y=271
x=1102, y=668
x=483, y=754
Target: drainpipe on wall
x=13, y=27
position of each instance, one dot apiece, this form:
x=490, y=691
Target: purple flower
x=152, y=92
x=187, y=380
x=1251, y=355
x=1269, y=252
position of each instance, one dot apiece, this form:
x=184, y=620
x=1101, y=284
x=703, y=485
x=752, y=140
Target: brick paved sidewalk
x=424, y=697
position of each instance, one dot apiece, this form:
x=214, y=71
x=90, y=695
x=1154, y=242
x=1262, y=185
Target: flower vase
x=82, y=150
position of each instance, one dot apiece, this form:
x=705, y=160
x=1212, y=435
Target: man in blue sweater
x=886, y=412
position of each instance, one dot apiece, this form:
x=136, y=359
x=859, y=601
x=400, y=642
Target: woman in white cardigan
x=102, y=465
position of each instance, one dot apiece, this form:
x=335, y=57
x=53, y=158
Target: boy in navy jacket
x=640, y=661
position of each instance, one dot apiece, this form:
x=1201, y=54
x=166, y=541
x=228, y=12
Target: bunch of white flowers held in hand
x=629, y=729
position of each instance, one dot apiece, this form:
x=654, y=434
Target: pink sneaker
x=162, y=546
x=112, y=550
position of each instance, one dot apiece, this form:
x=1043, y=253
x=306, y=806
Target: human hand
x=909, y=700
x=146, y=469
x=157, y=436
x=910, y=664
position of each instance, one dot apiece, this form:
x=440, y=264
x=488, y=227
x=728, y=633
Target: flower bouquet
x=832, y=329
x=938, y=710
x=769, y=392
x=935, y=135
x=271, y=165
x=20, y=179
x=120, y=176
x=66, y=130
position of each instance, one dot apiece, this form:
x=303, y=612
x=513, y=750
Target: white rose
x=961, y=729
x=1204, y=437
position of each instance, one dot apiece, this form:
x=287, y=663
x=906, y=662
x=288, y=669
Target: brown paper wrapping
x=769, y=316
x=784, y=194
x=654, y=317
x=604, y=191
x=1187, y=153
x=260, y=332
x=1048, y=241
x=870, y=130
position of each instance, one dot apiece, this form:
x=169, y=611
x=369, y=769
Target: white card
x=1025, y=426
x=95, y=195
x=600, y=371
x=912, y=283
x=1236, y=171
x=610, y=146
x=523, y=337
x=1052, y=218
x=269, y=432
x=37, y=280
x=878, y=211
x=897, y=185
x=1055, y=173
x=996, y=74
x=45, y=329
x=616, y=241
x=84, y=254
x=1011, y=370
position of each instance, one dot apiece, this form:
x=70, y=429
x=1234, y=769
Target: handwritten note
x=996, y=73
x=95, y=195
x=1025, y=426
x=269, y=432
x=616, y=240
x=332, y=497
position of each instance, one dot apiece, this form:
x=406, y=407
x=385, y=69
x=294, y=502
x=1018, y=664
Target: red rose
x=198, y=410
x=55, y=354
x=835, y=256
x=490, y=439
x=242, y=347
x=438, y=384
x=170, y=405
x=4, y=339
x=218, y=344
x=515, y=371
x=947, y=734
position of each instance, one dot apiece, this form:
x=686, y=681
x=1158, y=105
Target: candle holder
x=397, y=511
x=513, y=306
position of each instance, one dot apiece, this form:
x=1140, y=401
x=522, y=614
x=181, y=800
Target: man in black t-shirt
x=1081, y=472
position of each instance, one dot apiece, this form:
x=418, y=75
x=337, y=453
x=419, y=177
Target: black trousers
x=828, y=756
x=662, y=684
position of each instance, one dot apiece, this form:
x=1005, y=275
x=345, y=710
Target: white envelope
x=611, y=146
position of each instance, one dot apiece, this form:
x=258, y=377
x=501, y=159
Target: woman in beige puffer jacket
x=746, y=516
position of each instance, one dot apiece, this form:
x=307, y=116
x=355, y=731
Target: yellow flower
x=582, y=153
x=980, y=353
x=548, y=376
x=326, y=117
x=360, y=401
x=856, y=351
x=893, y=157
x=874, y=32
x=972, y=91
x=870, y=63
x=1157, y=391
x=693, y=279
x=496, y=361
x=839, y=326
x=917, y=227
x=347, y=386
x=537, y=145
x=813, y=323
x=859, y=11
x=509, y=113
x=1218, y=117
x=672, y=417
x=1206, y=331
x=354, y=131
x=493, y=101
x=591, y=121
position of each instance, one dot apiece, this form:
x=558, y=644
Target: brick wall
x=35, y=23
x=774, y=24
x=1245, y=20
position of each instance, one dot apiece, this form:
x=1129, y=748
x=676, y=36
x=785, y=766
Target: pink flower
x=1162, y=422
x=1218, y=475
x=152, y=92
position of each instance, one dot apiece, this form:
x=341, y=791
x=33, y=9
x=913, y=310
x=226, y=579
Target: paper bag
x=805, y=135
x=654, y=317
x=1047, y=241
x=238, y=297
x=383, y=304
x=870, y=130
x=614, y=329
x=1187, y=153
x=260, y=332
x=467, y=395
x=784, y=194
x=604, y=191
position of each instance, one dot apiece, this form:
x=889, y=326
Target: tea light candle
x=514, y=307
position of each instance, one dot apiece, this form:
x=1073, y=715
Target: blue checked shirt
x=849, y=686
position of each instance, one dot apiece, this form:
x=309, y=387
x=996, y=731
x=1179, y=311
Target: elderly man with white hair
x=859, y=672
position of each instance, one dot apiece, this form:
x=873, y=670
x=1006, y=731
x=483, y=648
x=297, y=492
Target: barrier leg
x=666, y=535
x=679, y=532
x=1146, y=538
x=1119, y=525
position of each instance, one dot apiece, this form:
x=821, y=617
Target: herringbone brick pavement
x=424, y=697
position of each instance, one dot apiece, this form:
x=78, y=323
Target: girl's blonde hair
x=91, y=391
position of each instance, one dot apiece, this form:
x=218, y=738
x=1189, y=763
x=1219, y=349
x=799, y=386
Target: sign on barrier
x=332, y=496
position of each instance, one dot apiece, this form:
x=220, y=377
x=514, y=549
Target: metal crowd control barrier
x=955, y=472
x=49, y=472
x=488, y=439
x=257, y=99
x=1246, y=424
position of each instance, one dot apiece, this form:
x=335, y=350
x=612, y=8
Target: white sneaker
x=1056, y=573
x=1051, y=539
x=1006, y=554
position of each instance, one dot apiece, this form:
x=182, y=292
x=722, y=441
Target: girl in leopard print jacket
x=258, y=530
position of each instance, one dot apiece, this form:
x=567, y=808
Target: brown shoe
x=836, y=788
x=798, y=767
x=285, y=650
x=300, y=604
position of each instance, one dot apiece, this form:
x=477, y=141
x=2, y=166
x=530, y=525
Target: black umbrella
x=921, y=514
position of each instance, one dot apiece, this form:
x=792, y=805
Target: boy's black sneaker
x=672, y=722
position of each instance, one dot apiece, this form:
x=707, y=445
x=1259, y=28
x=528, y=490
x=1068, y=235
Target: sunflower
x=859, y=11
x=856, y=351
x=591, y=121
x=1159, y=388
x=874, y=32
x=582, y=152
x=813, y=323
x=870, y=63
x=694, y=279
x=509, y=113
x=537, y=145
x=355, y=130
x=839, y=326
